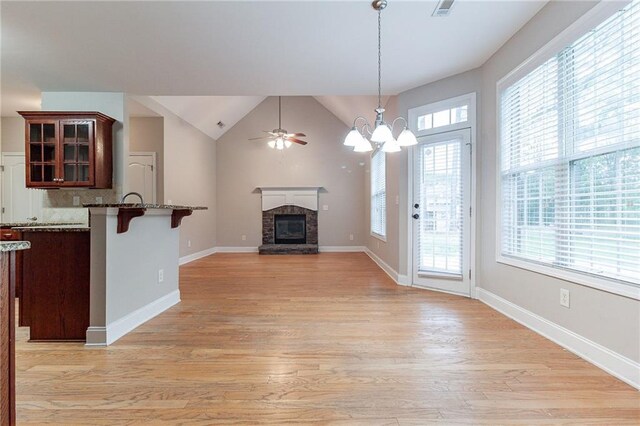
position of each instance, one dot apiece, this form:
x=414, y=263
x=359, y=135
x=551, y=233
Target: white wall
x=189, y=177
x=244, y=165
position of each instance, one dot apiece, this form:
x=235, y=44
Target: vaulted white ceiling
x=242, y=48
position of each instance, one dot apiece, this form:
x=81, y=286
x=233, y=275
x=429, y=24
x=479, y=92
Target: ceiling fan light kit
x=382, y=134
x=279, y=138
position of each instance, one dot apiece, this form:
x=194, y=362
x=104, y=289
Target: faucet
x=132, y=193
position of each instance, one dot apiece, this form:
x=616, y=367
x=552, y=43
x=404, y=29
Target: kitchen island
x=134, y=265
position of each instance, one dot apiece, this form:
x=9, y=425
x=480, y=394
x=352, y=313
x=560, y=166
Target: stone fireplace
x=289, y=221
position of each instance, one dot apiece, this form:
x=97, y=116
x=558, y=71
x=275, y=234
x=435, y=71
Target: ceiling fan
x=279, y=138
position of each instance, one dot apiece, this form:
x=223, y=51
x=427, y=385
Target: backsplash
x=64, y=197
x=65, y=215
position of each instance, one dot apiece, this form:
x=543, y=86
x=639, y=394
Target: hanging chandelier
x=382, y=134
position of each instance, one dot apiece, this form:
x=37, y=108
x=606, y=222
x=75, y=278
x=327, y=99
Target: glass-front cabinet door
x=77, y=152
x=42, y=153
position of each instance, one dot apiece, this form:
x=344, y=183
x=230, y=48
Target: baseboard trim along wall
x=198, y=255
x=395, y=276
x=341, y=249
x=613, y=363
x=104, y=336
x=236, y=249
x=322, y=249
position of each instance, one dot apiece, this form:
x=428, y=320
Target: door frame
x=155, y=170
x=3, y=196
x=470, y=124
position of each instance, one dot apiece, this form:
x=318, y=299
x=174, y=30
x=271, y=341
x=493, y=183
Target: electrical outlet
x=397, y=200
x=325, y=207
x=169, y=202
x=188, y=243
x=244, y=238
x=564, y=297
x=160, y=275
x=351, y=237
x=76, y=200
x=98, y=200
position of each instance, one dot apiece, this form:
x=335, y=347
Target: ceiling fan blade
x=297, y=135
x=298, y=141
x=271, y=133
x=261, y=138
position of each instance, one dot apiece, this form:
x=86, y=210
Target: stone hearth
x=268, y=231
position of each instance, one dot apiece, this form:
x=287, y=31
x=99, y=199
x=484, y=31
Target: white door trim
x=472, y=125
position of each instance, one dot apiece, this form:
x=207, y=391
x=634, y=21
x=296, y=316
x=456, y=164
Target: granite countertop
x=14, y=245
x=30, y=224
x=54, y=228
x=147, y=206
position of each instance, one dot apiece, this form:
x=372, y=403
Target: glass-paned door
x=76, y=151
x=42, y=152
x=441, y=212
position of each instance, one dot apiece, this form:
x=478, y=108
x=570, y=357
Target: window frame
x=381, y=237
x=586, y=23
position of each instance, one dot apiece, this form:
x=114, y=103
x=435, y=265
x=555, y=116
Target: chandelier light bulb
x=272, y=144
x=287, y=143
x=363, y=145
x=353, y=137
x=382, y=133
x=407, y=138
x=391, y=145
x=279, y=143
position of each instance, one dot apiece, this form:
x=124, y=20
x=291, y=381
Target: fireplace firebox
x=290, y=228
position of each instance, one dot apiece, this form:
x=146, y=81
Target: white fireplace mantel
x=276, y=196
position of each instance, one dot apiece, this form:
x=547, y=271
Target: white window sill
x=380, y=237
x=604, y=284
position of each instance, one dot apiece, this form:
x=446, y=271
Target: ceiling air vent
x=443, y=8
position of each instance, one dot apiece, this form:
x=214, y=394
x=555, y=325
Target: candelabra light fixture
x=381, y=134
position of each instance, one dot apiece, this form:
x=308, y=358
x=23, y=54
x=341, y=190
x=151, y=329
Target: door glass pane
x=36, y=173
x=49, y=152
x=69, y=153
x=83, y=173
x=49, y=172
x=35, y=152
x=49, y=132
x=440, y=199
x=83, y=133
x=69, y=131
x=83, y=153
x=70, y=172
x=35, y=132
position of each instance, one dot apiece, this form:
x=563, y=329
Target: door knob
x=416, y=216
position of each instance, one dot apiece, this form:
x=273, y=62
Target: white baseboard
x=613, y=363
x=195, y=256
x=104, y=336
x=399, y=279
x=341, y=249
x=236, y=249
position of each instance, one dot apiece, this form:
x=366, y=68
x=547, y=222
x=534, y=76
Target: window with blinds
x=378, y=194
x=570, y=155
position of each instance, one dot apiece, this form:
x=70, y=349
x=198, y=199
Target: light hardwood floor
x=320, y=339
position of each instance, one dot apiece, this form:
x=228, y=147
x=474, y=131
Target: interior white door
x=19, y=203
x=441, y=212
x=142, y=175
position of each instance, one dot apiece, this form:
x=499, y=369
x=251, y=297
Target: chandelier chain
x=379, y=58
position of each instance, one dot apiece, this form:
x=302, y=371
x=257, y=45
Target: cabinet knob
x=416, y=216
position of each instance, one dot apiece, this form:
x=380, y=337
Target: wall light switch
x=76, y=200
x=244, y=238
x=188, y=243
x=397, y=200
x=351, y=237
x=98, y=200
x=325, y=207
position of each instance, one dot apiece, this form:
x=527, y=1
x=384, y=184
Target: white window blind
x=378, y=194
x=570, y=155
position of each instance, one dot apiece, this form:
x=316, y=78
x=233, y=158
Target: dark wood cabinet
x=7, y=343
x=68, y=149
x=55, y=292
x=15, y=264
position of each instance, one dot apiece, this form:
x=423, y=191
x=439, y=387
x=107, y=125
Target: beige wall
x=243, y=165
x=607, y=319
x=12, y=139
x=189, y=177
x=146, y=134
